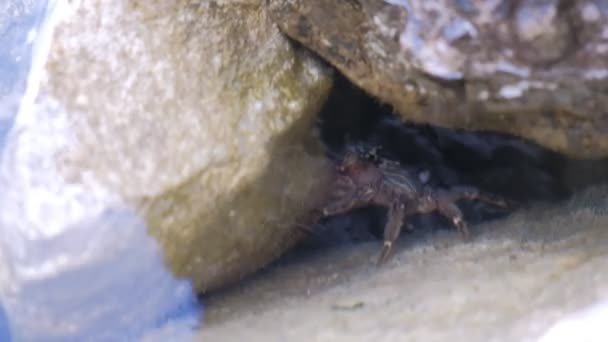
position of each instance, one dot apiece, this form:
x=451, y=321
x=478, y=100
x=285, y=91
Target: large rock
x=536, y=69
x=192, y=123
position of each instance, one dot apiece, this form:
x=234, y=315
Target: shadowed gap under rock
x=508, y=166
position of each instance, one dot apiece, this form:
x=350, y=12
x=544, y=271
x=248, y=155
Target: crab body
x=364, y=179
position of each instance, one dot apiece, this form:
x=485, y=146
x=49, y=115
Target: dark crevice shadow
x=508, y=166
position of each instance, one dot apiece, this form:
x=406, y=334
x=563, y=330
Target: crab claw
x=386, y=253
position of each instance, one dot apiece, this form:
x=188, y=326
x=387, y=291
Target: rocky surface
x=538, y=70
x=189, y=122
x=535, y=274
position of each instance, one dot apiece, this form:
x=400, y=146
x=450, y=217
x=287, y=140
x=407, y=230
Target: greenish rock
x=197, y=115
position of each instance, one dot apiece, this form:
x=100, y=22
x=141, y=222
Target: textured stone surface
x=538, y=70
x=191, y=121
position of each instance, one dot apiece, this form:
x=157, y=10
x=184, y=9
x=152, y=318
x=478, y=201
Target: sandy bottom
x=512, y=282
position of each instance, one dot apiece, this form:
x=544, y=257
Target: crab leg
x=396, y=214
x=453, y=213
x=349, y=201
x=470, y=193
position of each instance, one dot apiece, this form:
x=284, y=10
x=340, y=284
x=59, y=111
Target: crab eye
x=371, y=153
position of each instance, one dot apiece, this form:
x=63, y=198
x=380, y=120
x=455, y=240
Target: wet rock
x=191, y=122
x=535, y=69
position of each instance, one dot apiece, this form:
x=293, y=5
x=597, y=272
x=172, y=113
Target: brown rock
x=538, y=70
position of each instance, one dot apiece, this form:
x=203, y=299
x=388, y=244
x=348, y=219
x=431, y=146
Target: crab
x=365, y=179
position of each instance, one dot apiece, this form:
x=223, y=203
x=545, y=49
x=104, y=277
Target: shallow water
x=18, y=19
x=69, y=272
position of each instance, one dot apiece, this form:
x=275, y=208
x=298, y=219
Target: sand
x=515, y=280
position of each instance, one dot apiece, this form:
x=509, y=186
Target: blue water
x=125, y=294
x=15, y=56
